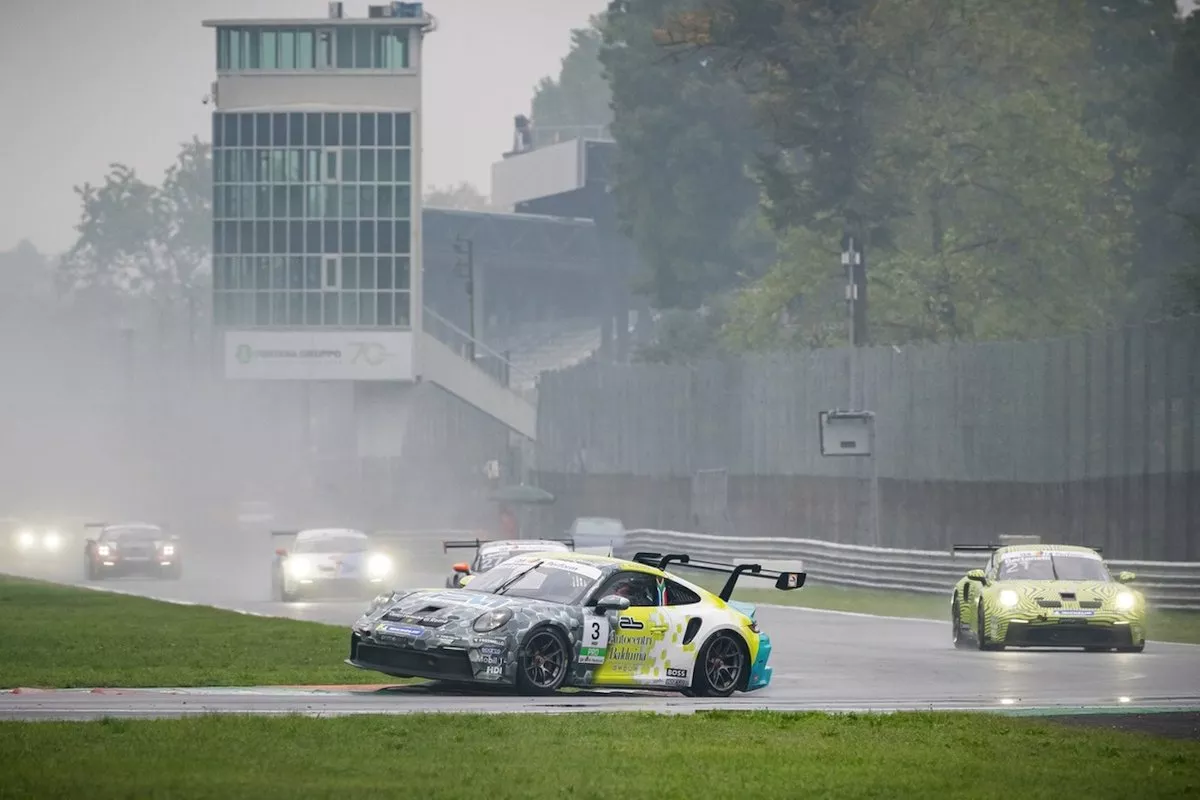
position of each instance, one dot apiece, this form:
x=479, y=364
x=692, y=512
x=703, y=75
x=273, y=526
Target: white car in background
x=599, y=536
x=329, y=563
x=35, y=542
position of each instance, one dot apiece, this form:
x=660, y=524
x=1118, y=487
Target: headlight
x=103, y=550
x=168, y=550
x=492, y=620
x=1008, y=598
x=25, y=540
x=1126, y=601
x=378, y=565
x=299, y=567
x=52, y=541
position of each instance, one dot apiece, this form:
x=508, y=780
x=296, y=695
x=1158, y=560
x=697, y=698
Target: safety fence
x=1169, y=585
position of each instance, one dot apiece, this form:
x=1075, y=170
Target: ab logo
x=630, y=624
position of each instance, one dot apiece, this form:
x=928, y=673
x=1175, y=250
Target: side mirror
x=1126, y=577
x=462, y=566
x=611, y=602
x=977, y=575
x=279, y=551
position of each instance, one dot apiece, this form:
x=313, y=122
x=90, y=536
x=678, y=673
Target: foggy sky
x=84, y=84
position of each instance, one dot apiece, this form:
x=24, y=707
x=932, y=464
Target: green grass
x=1163, y=626
x=59, y=636
x=759, y=755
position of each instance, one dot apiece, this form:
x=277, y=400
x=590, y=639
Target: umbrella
x=522, y=495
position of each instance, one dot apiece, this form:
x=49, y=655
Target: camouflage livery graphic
x=543, y=621
x=1046, y=596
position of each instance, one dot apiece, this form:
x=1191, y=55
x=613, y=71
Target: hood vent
x=1049, y=603
x=1067, y=595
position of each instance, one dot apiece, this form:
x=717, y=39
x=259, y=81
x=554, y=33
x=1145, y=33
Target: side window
x=675, y=594
x=639, y=587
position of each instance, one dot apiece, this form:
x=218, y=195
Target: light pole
x=465, y=248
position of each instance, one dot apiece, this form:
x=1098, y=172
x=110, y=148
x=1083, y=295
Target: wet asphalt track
x=822, y=661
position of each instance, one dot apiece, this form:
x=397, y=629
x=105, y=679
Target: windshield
x=333, y=544
x=1053, y=567
x=551, y=581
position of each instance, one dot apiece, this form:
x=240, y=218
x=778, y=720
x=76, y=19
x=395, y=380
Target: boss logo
x=630, y=624
x=676, y=673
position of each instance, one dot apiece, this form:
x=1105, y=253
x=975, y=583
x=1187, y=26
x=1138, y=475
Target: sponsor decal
x=491, y=651
x=1073, y=612
x=630, y=624
x=677, y=673
x=400, y=630
x=489, y=641
x=492, y=672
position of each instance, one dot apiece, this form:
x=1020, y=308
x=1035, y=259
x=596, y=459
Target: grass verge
x=581, y=756
x=1163, y=626
x=64, y=637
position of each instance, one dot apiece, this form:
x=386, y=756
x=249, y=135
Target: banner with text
x=363, y=355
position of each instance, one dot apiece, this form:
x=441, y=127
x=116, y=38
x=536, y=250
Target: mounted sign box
x=846, y=433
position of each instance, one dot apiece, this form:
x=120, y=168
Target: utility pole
x=465, y=248
x=854, y=261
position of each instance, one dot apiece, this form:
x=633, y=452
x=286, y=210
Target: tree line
x=1018, y=169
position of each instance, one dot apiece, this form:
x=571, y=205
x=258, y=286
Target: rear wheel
x=721, y=666
x=543, y=662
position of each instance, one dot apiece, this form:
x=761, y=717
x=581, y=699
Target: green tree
x=685, y=139
x=947, y=133
x=579, y=96
x=464, y=197
x=138, y=240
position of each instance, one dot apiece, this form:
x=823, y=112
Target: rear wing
x=474, y=544
x=162, y=526
x=785, y=581
x=991, y=548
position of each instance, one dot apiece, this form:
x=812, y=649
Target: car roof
x=329, y=533
x=125, y=526
x=1016, y=549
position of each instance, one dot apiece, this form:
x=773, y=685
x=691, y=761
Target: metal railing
x=497, y=365
x=1169, y=585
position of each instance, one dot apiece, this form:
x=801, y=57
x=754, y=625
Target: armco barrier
x=1174, y=585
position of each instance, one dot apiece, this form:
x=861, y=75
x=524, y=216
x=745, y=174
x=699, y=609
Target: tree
x=25, y=274
x=685, y=138
x=579, y=97
x=950, y=136
x=1183, y=205
x=137, y=240
x=464, y=197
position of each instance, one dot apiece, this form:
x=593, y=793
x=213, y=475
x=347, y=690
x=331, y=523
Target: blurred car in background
x=490, y=552
x=123, y=549
x=601, y=536
x=30, y=543
x=332, y=562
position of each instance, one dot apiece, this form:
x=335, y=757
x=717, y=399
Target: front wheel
x=721, y=666
x=981, y=638
x=961, y=642
x=543, y=661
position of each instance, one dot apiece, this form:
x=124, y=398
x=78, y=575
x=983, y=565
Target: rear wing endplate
x=785, y=581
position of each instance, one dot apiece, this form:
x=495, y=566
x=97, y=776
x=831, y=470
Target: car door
x=634, y=637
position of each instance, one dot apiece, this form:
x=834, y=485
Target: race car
x=1046, y=595
x=329, y=562
x=34, y=542
x=131, y=548
x=540, y=622
x=598, y=535
x=490, y=552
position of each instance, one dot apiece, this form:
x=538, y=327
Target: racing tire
x=279, y=592
x=981, y=639
x=1135, y=648
x=961, y=642
x=722, y=666
x=172, y=573
x=543, y=662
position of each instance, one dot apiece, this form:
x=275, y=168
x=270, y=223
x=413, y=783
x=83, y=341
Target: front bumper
x=760, y=672
x=1098, y=629
x=153, y=566
x=413, y=651
x=337, y=587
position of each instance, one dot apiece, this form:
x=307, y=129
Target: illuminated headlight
x=1125, y=601
x=104, y=550
x=26, y=540
x=299, y=567
x=168, y=550
x=379, y=565
x=52, y=541
x=492, y=620
x=1008, y=598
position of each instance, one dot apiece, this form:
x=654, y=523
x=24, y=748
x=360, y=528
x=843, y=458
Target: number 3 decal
x=595, y=637
x=594, y=647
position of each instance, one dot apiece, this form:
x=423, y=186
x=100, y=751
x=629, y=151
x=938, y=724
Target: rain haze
x=900, y=349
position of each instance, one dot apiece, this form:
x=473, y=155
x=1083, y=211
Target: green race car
x=1046, y=595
